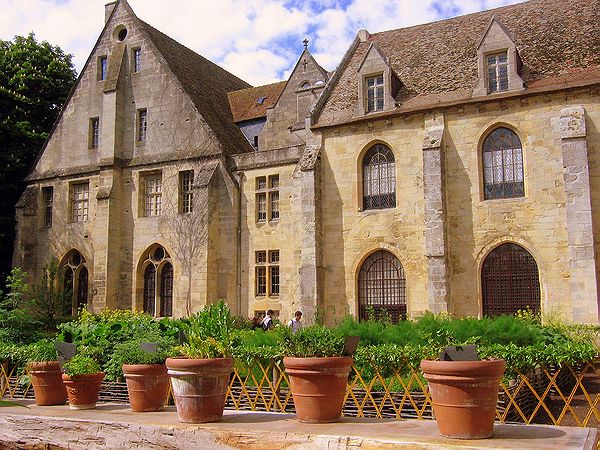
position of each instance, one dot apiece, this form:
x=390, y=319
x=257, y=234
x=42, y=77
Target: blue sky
x=258, y=40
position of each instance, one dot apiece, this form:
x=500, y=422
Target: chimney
x=108, y=9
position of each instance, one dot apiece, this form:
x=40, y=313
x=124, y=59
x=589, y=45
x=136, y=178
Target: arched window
x=502, y=165
x=510, y=281
x=379, y=178
x=75, y=279
x=158, y=281
x=382, y=287
x=166, y=290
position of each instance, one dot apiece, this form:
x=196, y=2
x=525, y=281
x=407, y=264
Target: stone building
x=452, y=166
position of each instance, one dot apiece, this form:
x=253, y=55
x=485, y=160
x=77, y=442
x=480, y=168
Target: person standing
x=295, y=324
x=267, y=322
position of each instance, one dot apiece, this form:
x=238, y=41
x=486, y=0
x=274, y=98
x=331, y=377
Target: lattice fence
x=567, y=395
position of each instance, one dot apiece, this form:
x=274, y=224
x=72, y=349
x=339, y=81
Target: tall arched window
x=75, y=278
x=509, y=281
x=502, y=165
x=157, y=275
x=382, y=287
x=166, y=290
x=379, y=178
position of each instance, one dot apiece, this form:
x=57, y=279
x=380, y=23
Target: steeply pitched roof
x=246, y=105
x=437, y=62
x=207, y=85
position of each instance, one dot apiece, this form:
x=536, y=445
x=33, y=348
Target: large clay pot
x=46, y=379
x=83, y=389
x=200, y=387
x=147, y=385
x=464, y=396
x=318, y=386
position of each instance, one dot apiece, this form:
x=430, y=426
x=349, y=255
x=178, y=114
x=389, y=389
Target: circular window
x=120, y=33
x=159, y=254
x=75, y=259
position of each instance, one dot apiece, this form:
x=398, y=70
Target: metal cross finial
x=305, y=42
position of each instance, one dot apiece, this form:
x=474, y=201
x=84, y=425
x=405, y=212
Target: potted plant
x=464, y=395
x=82, y=378
x=145, y=373
x=45, y=373
x=200, y=377
x=317, y=372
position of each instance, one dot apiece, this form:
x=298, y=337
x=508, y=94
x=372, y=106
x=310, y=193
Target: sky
x=257, y=40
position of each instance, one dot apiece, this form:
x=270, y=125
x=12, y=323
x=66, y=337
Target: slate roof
x=244, y=104
x=558, y=42
x=207, y=85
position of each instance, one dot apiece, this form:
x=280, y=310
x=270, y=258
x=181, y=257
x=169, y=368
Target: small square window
x=261, y=257
x=274, y=256
x=142, y=125
x=102, y=68
x=94, y=132
x=136, y=59
x=261, y=183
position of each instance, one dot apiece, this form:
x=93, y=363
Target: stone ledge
x=115, y=426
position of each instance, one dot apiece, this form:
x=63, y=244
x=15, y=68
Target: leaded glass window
x=503, y=165
x=497, y=69
x=379, y=178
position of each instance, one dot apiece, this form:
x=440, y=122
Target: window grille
x=374, y=93
x=274, y=205
x=261, y=207
x=503, y=165
x=382, y=288
x=510, y=281
x=186, y=193
x=261, y=280
x=267, y=272
x=48, y=198
x=166, y=290
x=149, y=289
x=497, y=69
x=80, y=194
x=142, y=125
x=153, y=195
x=379, y=178
x=137, y=59
x=94, y=132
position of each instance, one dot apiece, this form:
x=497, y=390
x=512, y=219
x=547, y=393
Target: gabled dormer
x=498, y=62
x=377, y=82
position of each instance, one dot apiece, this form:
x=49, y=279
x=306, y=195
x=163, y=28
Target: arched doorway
x=382, y=287
x=510, y=281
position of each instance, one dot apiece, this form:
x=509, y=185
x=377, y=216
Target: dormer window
x=374, y=88
x=497, y=72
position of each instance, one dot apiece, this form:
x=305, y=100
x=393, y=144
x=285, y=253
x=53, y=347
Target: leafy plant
x=131, y=353
x=313, y=341
x=42, y=351
x=81, y=365
x=211, y=333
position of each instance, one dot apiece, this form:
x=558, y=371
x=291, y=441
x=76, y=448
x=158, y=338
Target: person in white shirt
x=295, y=324
x=267, y=322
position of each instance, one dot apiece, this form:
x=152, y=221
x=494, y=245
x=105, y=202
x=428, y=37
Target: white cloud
x=258, y=40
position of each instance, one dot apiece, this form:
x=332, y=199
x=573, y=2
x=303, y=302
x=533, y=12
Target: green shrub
x=131, y=353
x=81, y=365
x=313, y=341
x=40, y=351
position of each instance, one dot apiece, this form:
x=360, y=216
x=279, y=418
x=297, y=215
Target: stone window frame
x=76, y=263
x=48, y=205
x=102, y=67
x=136, y=60
x=360, y=177
x=150, y=203
x=186, y=191
x=79, y=201
x=94, y=133
x=267, y=199
x=375, y=64
x=480, y=162
x=157, y=258
x=141, y=126
x=498, y=78
x=267, y=275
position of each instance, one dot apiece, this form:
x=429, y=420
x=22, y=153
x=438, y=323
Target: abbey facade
x=452, y=166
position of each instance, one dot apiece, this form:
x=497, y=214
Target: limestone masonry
x=451, y=166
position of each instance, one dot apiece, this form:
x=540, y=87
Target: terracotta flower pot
x=464, y=396
x=199, y=387
x=83, y=389
x=46, y=378
x=318, y=386
x=147, y=385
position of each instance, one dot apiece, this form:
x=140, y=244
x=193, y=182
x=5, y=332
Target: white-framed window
x=142, y=125
x=136, y=59
x=186, y=193
x=267, y=273
x=102, y=68
x=497, y=72
x=152, y=194
x=94, y=136
x=374, y=93
x=80, y=198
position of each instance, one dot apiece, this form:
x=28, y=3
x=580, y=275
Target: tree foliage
x=35, y=80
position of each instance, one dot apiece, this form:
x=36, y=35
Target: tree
x=35, y=80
